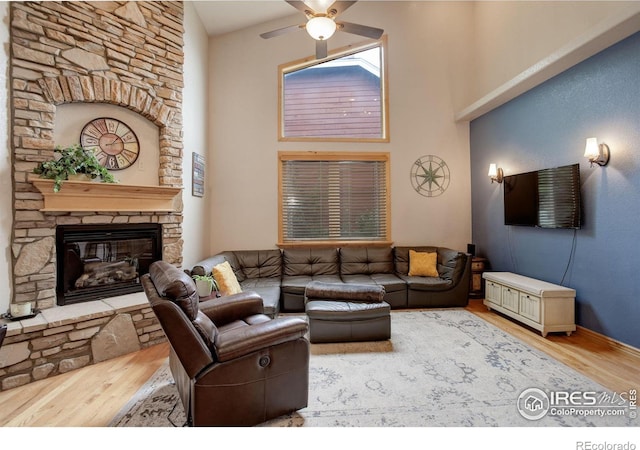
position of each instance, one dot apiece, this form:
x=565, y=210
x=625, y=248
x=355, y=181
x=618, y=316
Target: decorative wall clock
x=430, y=176
x=113, y=141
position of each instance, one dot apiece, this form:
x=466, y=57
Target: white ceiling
x=222, y=16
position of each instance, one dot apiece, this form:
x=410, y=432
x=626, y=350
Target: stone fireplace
x=128, y=54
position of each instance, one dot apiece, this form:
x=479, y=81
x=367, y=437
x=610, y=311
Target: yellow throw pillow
x=226, y=279
x=423, y=264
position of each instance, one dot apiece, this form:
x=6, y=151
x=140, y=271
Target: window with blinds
x=342, y=98
x=334, y=197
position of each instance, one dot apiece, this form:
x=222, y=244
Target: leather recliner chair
x=232, y=364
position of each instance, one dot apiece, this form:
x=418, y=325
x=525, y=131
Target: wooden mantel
x=116, y=197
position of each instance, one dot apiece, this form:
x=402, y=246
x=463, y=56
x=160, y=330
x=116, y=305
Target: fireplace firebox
x=101, y=261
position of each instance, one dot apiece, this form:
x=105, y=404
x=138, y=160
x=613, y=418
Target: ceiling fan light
x=321, y=28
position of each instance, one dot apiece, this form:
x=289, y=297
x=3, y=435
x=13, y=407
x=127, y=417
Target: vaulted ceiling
x=221, y=16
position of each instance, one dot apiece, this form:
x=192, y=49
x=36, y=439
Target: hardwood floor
x=613, y=365
x=87, y=397
x=92, y=396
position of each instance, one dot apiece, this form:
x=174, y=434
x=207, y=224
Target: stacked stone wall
x=128, y=54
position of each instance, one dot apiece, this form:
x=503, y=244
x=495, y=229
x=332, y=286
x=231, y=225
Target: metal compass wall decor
x=430, y=176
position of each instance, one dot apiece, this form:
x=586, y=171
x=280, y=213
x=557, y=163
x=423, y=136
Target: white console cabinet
x=543, y=306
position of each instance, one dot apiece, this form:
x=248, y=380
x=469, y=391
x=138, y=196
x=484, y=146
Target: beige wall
x=196, y=229
x=428, y=58
x=510, y=37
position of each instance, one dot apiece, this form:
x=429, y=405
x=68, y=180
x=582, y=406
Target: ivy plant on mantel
x=89, y=196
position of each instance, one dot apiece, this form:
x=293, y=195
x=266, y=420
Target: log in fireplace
x=101, y=261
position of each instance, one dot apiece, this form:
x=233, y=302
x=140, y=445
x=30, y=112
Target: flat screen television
x=547, y=198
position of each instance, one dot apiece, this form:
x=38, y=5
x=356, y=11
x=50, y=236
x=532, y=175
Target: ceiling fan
x=321, y=23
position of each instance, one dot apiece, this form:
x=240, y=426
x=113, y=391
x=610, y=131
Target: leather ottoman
x=347, y=312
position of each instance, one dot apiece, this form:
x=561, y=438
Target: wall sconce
x=495, y=173
x=596, y=153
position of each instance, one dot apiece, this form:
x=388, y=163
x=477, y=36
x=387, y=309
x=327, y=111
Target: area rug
x=441, y=368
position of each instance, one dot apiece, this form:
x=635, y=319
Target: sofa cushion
x=252, y=284
x=423, y=264
x=226, y=279
x=356, y=260
x=268, y=289
x=344, y=292
x=345, y=311
x=260, y=263
x=310, y=261
x=389, y=281
x=427, y=283
x=297, y=284
x=452, y=264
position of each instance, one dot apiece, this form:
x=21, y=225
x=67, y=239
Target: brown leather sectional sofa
x=280, y=276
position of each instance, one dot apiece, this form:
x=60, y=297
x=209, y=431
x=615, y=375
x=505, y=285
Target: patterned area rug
x=441, y=368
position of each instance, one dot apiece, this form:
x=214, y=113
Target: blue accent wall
x=547, y=127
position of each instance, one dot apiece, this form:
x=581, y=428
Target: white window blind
x=334, y=200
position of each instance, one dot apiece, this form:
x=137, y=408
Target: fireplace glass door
x=101, y=261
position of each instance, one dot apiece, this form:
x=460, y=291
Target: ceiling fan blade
x=362, y=30
x=339, y=7
x=299, y=5
x=281, y=31
x=321, y=49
